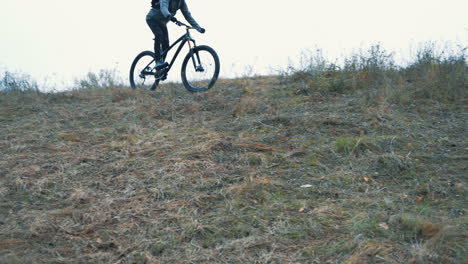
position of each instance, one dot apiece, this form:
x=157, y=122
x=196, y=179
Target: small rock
x=383, y=226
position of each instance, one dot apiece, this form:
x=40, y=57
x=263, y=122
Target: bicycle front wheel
x=200, y=69
x=143, y=73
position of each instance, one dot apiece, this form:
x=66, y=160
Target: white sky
x=63, y=39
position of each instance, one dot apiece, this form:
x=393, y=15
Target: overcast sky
x=64, y=39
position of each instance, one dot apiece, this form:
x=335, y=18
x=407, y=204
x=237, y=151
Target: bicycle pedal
x=164, y=65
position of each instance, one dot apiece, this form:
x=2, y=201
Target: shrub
x=101, y=80
x=437, y=75
x=440, y=76
x=17, y=82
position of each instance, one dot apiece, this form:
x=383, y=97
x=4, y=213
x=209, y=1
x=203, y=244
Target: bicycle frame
x=186, y=38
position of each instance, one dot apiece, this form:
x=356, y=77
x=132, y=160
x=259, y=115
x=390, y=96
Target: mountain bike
x=200, y=68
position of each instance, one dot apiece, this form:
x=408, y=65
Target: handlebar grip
x=178, y=23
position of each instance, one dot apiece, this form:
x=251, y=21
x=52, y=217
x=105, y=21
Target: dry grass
x=121, y=176
x=433, y=74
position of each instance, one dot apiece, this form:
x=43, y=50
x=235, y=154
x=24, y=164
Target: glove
x=172, y=18
x=201, y=30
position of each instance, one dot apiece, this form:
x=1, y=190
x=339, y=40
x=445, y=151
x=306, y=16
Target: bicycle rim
x=143, y=73
x=201, y=70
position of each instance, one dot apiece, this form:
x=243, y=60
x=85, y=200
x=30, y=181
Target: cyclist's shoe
x=160, y=64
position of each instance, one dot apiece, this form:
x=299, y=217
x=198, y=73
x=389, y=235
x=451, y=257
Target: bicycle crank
x=161, y=75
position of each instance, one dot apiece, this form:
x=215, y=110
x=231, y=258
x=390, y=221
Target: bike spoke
x=200, y=73
x=144, y=72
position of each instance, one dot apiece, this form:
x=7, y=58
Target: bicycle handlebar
x=180, y=24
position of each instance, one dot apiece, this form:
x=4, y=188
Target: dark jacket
x=169, y=8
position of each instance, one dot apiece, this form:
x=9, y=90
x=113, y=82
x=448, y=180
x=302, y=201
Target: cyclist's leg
x=157, y=24
x=158, y=36
x=165, y=38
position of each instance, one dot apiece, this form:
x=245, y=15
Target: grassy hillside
x=299, y=168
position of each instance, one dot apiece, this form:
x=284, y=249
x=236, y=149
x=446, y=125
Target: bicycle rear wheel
x=143, y=72
x=200, y=69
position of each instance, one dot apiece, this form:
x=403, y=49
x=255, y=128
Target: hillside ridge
x=268, y=169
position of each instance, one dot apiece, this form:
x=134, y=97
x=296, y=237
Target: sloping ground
x=253, y=171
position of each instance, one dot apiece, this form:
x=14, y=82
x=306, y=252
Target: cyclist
x=163, y=11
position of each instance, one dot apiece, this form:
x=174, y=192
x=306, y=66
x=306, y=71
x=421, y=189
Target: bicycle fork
x=197, y=65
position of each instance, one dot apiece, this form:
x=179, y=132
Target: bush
x=101, y=80
x=436, y=75
x=11, y=82
x=440, y=76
